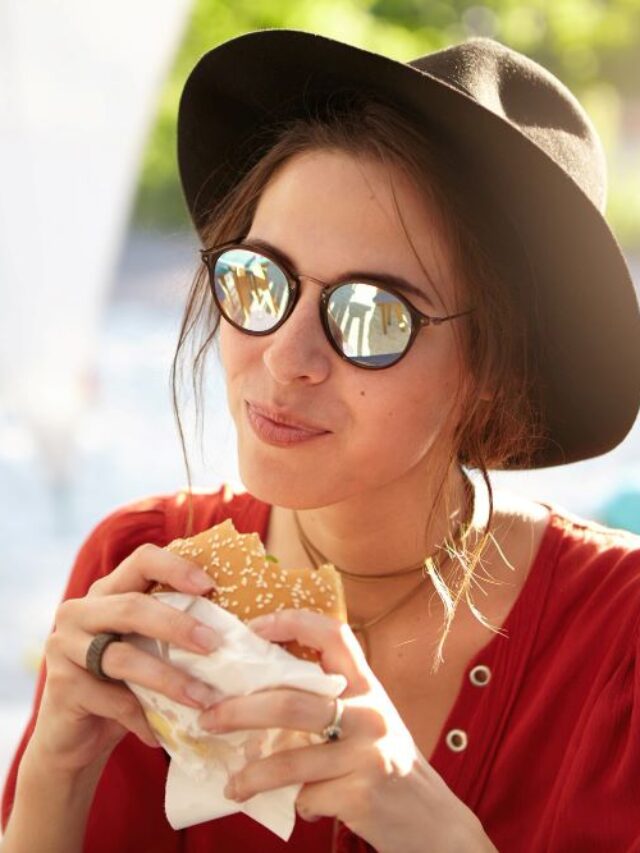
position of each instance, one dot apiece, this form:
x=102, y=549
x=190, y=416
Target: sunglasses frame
x=418, y=319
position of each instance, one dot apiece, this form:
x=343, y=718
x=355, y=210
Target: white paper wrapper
x=202, y=762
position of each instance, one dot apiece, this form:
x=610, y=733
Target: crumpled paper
x=201, y=761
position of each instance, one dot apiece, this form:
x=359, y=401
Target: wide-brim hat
x=507, y=120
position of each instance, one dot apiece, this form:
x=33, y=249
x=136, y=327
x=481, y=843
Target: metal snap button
x=480, y=675
x=457, y=740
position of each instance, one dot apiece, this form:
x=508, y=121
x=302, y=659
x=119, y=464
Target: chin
x=283, y=477
x=273, y=483
x=288, y=482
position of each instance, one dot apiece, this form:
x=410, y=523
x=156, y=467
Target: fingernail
x=205, y=637
x=260, y=622
x=208, y=722
x=201, y=579
x=201, y=693
x=231, y=791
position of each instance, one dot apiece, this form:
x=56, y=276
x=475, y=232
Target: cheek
x=229, y=351
x=239, y=355
x=238, y=352
x=399, y=420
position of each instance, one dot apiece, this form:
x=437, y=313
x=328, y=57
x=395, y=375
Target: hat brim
x=587, y=305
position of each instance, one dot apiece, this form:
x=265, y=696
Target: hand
x=374, y=779
x=81, y=718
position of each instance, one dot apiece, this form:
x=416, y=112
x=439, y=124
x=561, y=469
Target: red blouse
x=552, y=755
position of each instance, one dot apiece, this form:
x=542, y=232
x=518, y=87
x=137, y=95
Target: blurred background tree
x=592, y=45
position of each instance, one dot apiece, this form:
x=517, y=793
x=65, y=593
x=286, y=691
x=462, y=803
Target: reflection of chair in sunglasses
x=236, y=298
x=245, y=291
x=261, y=290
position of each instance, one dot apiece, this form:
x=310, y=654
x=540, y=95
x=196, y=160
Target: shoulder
x=159, y=519
x=585, y=541
x=596, y=547
x=596, y=574
x=593, y=569
x=603, y=562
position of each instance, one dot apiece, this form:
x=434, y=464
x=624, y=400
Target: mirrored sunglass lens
x=369, y=324
x=252, y=290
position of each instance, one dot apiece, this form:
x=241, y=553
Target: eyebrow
x=384, y=278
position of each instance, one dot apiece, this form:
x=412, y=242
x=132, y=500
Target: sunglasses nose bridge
x=302, y=276
x=297, y=347
x=297, y=297
x=323, y=296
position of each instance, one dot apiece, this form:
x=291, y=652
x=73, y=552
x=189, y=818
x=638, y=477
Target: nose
x=299, y=349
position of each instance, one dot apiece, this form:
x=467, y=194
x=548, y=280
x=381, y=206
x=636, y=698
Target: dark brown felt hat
x=505, y=119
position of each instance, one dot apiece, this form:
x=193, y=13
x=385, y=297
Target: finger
x=148, y=564
x=297, y=710
x=325, y=797
x=113, y=702
x=292, y=767
x=339, y=649
x=125, y=662
x=135, y=612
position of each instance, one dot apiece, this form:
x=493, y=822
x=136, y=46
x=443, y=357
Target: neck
x=376, y=536
x=373, y=535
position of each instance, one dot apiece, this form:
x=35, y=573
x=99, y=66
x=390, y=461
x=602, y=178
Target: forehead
x=330, y=212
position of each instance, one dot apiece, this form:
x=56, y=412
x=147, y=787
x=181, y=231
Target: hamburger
x=249, y=582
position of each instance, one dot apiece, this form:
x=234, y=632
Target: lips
x=279, y=433
x=286, y=418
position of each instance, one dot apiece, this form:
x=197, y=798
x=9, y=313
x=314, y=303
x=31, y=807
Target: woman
x=465, y=190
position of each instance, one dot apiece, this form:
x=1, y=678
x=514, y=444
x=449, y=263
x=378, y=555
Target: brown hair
x=489, y=261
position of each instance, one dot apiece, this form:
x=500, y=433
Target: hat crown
x=524, y=93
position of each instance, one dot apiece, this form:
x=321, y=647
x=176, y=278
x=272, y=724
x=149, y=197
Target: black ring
x=96, y=650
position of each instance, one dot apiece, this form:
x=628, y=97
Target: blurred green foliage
x=592, y=45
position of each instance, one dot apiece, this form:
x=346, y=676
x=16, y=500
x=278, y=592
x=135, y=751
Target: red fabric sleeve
x=114, y=816
x=563, y=771
x=597, y=804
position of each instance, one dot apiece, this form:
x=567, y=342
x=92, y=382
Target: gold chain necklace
x=436, y=560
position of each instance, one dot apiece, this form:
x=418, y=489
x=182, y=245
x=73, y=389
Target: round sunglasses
x=367, y=323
